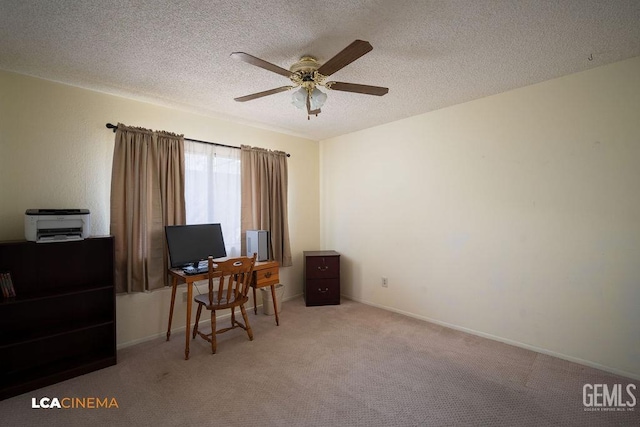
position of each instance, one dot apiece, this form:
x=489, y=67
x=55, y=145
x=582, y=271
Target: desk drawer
x=266, y=277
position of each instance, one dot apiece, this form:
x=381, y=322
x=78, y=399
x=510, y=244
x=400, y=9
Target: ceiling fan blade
x=345, y=57
x=261, y=94
x=241, y=56
x=352, y=87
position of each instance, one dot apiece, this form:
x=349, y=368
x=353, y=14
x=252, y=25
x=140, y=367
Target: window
x=212, y=190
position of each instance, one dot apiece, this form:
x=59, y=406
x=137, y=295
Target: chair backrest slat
x=210, y=264
x=230, y=287
x=235, y=273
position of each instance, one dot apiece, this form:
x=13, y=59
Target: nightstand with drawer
x=321, y=278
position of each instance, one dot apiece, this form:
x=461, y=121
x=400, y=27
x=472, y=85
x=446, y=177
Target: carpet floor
x=346, y=365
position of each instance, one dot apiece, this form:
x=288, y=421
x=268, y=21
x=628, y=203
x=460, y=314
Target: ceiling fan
x=308, y=74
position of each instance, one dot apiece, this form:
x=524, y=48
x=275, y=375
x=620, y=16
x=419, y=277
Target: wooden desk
x=265, y=273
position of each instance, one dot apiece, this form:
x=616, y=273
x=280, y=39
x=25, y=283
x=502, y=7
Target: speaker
x=258, y=242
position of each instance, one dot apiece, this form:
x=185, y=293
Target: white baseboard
x=503, y=340
x=183, y=328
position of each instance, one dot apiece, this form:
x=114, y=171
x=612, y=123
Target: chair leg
x=195, y=327
x=233, y=316
x=246, y=322
x=213, y=332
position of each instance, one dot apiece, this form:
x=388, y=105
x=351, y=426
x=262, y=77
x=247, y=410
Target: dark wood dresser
x=61, y=323
x=321, y=278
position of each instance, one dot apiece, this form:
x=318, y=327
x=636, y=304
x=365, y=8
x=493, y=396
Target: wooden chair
x=230, y=292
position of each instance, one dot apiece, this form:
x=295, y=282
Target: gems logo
x=74, y=403
x=603, y=397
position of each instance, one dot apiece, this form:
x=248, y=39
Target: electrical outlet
x=385, y=282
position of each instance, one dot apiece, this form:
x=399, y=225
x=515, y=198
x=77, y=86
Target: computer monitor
x=189, y=244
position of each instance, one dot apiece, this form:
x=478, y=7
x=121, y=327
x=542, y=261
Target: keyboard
x=190, y=270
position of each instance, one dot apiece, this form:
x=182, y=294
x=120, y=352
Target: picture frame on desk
x=6, y=284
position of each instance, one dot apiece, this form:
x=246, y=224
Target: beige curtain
x=264, y=199
x=147, y=193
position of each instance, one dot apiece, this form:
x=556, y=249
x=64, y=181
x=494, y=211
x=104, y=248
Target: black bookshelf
x=61, y=323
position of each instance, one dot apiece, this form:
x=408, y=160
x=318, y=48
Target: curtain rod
x=114, y=127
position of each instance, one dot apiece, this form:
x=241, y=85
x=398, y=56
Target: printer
x=56, y=225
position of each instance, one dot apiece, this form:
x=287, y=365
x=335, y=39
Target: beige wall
x=515, y=216
x=56, y=152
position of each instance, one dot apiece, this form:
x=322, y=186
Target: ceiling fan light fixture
x=299, y=98
x=318, y=99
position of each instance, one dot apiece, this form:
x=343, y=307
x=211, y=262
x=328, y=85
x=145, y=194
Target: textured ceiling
x=430, y=54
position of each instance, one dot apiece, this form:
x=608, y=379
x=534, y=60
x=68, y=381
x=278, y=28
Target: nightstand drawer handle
x=325, y=290
x=323, y=268
x=267, y=274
